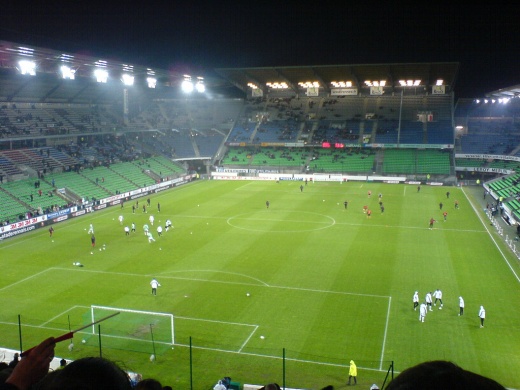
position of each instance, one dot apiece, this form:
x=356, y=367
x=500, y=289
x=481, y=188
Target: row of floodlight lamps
x=493, y=101
x=101, y=74
x=341, y=84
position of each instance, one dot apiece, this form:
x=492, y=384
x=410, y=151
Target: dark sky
x=200, y=36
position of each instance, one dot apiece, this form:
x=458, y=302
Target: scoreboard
x=336, y=145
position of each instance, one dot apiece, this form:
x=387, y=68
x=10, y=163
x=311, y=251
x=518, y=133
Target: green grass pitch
x=326, y=284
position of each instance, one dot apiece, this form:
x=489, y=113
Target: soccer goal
x=133, y=327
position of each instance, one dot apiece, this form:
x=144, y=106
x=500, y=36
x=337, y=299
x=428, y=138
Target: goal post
x=134, y=329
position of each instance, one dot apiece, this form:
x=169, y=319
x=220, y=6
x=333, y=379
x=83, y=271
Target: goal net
x=136, y=330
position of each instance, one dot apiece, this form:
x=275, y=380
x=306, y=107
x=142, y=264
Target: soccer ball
x=248, y=295
x=152, y=357
x=262, y=337
x=83, y=341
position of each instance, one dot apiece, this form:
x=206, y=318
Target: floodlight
x=101, y=75
x=151, y=81
x=341, y=84
x=67, y=73
x=200, y=87
x=127, y=79
x=187, y=86
x=27, y=67
x=277, y=85
x=309, y=84
x=375, y=83
x=411, y=83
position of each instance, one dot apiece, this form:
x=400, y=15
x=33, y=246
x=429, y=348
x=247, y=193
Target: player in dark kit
x=345, y=203
x=267, y=203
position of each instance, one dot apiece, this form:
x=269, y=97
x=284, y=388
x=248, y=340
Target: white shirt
x=423, y=310
x=416, y=297
x=159, y=229
x=154, y=283
x=428, y=298
x=461, y=302
x=482, y=312
x=219, y=386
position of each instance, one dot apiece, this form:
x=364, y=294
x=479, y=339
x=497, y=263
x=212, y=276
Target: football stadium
x=287, y=215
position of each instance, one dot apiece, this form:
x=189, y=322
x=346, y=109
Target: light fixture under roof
x=409, y=83
x=341, y=84
x=309, y=84
x=277, y=85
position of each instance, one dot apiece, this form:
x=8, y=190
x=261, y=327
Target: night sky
x=196, y=36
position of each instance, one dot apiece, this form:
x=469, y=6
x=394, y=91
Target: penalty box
x=310, y=321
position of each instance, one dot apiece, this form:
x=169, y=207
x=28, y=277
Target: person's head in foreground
x=440, y=374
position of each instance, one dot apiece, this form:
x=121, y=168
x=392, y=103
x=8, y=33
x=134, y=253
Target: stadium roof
x=510, y=92
x=48, y=62
x=427, y=73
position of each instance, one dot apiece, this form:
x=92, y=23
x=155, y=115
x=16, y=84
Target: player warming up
x=154, y=283
x=423, y=310
x=438, y=297
x=415, y=300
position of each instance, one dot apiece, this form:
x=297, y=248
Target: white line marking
x=385, y=333
x=24, y=279
x=56, y=316
x=491, y=236
x=214, y=321
x=247, y=340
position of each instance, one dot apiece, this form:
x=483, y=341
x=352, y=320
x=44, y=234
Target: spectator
x=88, y=373
x=148, y=384
x=31, y=368
x=441, y=374
x=16, y=359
